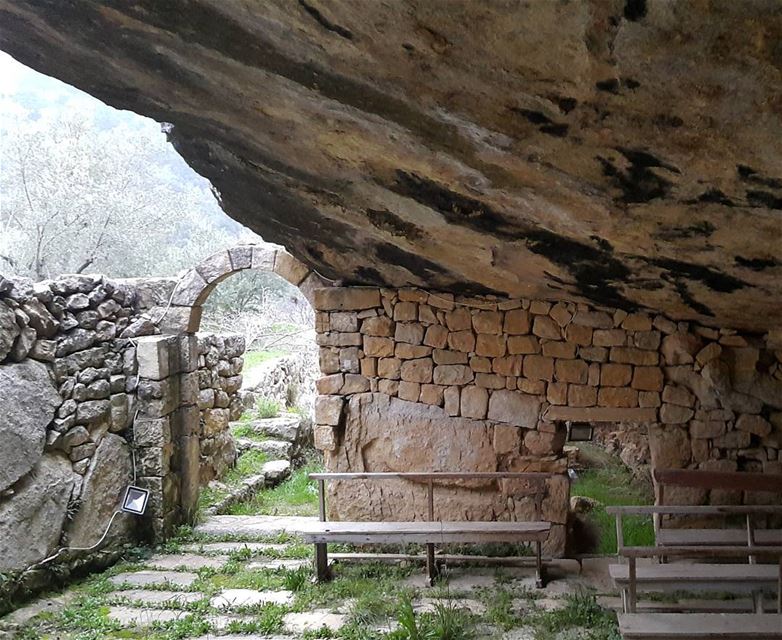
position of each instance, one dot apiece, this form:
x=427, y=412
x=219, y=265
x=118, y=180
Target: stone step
x=251, y=527
x=272, y=448
x=159, y=597
x=272, y=474
x=144, y=617
x=283, y=427
x=313, y=620
x=148, y=577
x=283, y=563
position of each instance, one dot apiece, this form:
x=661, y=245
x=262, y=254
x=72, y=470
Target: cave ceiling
x=623, y=153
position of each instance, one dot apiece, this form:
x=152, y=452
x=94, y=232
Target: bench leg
x=322, y=573
x=431, y=566
x=540, y=570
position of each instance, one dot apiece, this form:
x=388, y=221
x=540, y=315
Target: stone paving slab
x=428, y=605
x=231, y=547
x=287, y=563
x=235, y=636
x=190, y=561
x=143, y=617
x=235, y=598
x=146, y=578
x=252, y=526
x=151, y=596
x=297, y=623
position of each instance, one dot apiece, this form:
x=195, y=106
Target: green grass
x=254, y=358
x=267, y=408
x=581, y=611
x=249, y=463
x=297, y=496
x=612, y=484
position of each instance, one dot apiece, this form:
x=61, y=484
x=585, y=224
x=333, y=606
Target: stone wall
x=220, y=365
x=86, y=380
x=425, y=381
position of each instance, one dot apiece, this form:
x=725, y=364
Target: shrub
x=267, y=408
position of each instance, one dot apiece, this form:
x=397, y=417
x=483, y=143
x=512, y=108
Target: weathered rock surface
x=109, y=474
x=31, y=520
x=28, y=399
x=638, y=163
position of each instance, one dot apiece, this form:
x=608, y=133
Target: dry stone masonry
x=428, y=381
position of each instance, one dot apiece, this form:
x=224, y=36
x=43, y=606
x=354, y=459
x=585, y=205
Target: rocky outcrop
x=31, y=520
x=29, y=400
x=624, y=153
x=110, y=472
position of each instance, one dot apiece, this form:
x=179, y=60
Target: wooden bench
x=700, y=626
x=722, y=480
x=429, y=532
x=705, y=577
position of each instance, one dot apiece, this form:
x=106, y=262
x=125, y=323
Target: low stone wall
x=220, y=365
x=426, y=381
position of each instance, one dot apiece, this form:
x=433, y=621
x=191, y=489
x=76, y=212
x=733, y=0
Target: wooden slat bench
x=700, y=626
x=722, y=480
x=429, y=532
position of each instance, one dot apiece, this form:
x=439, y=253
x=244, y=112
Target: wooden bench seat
x=697, y=577
x=694, y=626
x=432, y=531
x=716, y=537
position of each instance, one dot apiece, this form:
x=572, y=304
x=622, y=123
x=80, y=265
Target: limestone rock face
x=110, y=472
x=32, y=518
x=636, y=162
x=28, y=399
x=388, y=434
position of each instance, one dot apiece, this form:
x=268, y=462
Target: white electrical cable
x=64, y=549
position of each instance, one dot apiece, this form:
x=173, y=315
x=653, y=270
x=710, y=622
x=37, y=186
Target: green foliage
x=296, y=579
x=580, y=611
x=267, y=408
x=297, y=496
x=612, y=484
x=446, y=622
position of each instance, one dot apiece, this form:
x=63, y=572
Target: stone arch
x=194, y=287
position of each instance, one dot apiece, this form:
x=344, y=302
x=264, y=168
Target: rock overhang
x=624, y=153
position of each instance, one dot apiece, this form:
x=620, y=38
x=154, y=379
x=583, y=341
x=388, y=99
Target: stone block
x=578, y=334
x=344, y=321
x=329, y=360
x=349, y=360
x=517, y=322
x=673, y=394
x=707, y=428
x=648, y=379
x=324, y=437
x=560, y=314
x=378, y=347
x=609, y=338
x=441, y=301
x=152, y=432
x=406, y=351
x=564, y=350
x=649, y=340
x=346, y=298
x=459, y=320
x=451, y=400
x=436, y=336
x=649, y=399
x=507, y=439
x=487, y=322
x=543, y=443
x=637, y=322
x=445, y=356
x=556, y=393
x=214, y=421
x=368, y=367
x=420, y=370
x=389, y=368
x=490, y=381
x=432, y=394
x=389, y=387
x=452, y=374
x=288, y=267
x=523, y=345
x=545, y=327
x=674, y=414
x=594, y=319
x=426, y=314
x=581, y=395
x=263, y=258
x=669, y=448
x=190, y=289
x=480, y=364
x=754, y=424
x=537, y=367
x=602, y=414
x=354, y=383
x=631, y=355
x=405, y=312
x=153, y=357
x=733, y=440
x=462, y=341
x=380, y=326
x=710, y=352
x=474, y=402
x=620, y=397
x=514, y=408
x=574, y=371
x=328, y=410
x=409, y=332
x=507, y=365
x=336, y=339
x=410, y=391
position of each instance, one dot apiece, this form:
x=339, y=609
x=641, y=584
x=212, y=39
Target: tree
x=75, y=197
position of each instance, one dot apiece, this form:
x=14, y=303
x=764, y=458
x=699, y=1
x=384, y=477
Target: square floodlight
x=580, y=432
x=135, y=500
